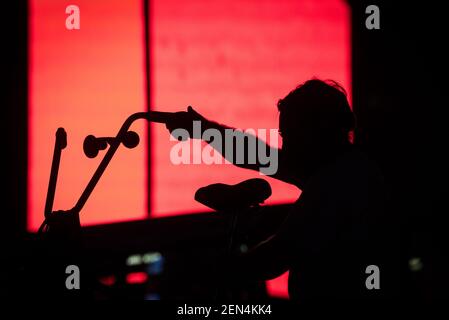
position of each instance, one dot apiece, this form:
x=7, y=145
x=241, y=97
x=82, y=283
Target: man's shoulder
x=352, y=171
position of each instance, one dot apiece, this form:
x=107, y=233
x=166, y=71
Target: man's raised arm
x=241, y=148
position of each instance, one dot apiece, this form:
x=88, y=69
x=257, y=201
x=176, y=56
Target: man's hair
x=318, y=105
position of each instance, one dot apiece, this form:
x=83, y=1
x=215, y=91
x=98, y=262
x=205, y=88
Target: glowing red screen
x=231, y=60
x=87, y=81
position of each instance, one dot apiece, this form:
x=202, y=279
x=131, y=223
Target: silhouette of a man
x=332, y=232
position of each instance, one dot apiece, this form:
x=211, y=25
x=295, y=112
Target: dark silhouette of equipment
x=60, y=233
x=245, y=194
x=61, y=229
x=69, y=219
x=92, y=145
x=235, y=201
x=60, y=144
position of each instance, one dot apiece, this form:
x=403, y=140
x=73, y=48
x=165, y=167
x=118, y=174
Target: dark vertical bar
x=146, y=13
x=397, y=99
x=14, y=102
x=14, y=136
x=60, y=144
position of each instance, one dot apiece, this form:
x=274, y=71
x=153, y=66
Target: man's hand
x=184, y=120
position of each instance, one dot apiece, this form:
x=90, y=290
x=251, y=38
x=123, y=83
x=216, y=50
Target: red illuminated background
x=231, y=60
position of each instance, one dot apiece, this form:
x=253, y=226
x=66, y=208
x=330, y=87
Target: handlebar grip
x=159, y=116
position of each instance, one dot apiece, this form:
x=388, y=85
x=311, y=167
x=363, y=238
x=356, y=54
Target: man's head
x=315, y=120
